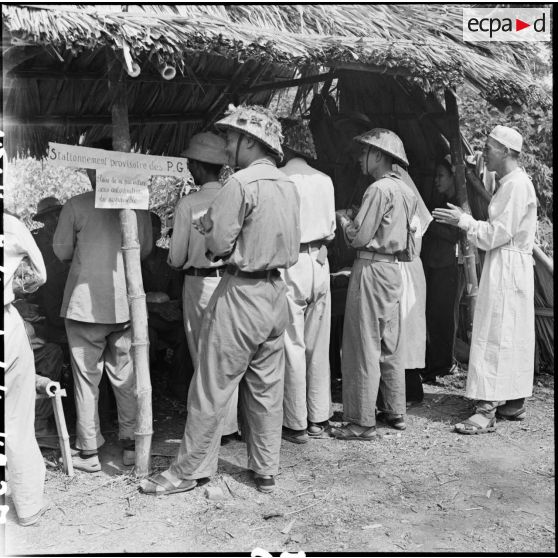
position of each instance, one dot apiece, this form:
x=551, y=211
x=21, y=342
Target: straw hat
x=207, y=148
x=298, y=137
x=386, y=141
x=255, y=121
x=47, y=205
x=508, y=137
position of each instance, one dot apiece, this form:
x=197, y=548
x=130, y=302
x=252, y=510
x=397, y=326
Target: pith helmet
x=47, y=205
x=207, y=148
x=385, y=140
x=298, y=137
x=255, y=121
x=508, y=137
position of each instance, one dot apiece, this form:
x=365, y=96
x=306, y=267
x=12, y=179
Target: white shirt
x=317, y=200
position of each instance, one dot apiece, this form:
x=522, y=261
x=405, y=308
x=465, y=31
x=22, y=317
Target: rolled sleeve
x=180, y=239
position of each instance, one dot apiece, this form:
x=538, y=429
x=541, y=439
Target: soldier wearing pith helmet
x=307, y=402
x=501, y=363
x=206, y=157
x=371, y=333
x=253, y=226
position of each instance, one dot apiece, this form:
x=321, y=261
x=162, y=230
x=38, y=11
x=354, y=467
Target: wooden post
x=134, y=283
x=457, y=159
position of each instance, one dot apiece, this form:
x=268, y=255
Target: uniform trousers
x=196, y=295
x=307, y=373
x=241, y=346
x=25, y=463
x=371, y=355
x=94, y=348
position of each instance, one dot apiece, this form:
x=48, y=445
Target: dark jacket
x=440, y=241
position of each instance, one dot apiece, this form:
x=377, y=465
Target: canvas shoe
x=85, y=462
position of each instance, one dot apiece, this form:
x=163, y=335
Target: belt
x=205, y=271
x=252, y=274
x=376, y=256
x=309, y=246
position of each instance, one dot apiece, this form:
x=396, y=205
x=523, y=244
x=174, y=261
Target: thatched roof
x=58, y=59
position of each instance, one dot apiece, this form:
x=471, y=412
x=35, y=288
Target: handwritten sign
x=116, y=190
x=122, y=178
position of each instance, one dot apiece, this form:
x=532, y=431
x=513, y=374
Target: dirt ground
x=427, y=490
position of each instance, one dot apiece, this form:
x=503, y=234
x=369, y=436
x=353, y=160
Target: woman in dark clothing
x=440, y=261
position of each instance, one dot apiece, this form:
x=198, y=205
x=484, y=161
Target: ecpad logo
x=506, y=24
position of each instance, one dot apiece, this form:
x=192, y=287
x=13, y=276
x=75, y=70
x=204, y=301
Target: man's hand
x=198, y=225
x=343, y=216
x=449, y=216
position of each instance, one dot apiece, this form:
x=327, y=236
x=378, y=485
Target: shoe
x=89, y=462
x=471, y=426
x=348, y=432
x=264, y=483
x=397, y=422
x=519, y=414
x=294, y=436
x=128, y=452
x=32, y=519
x=228, y=438
x=316, y=429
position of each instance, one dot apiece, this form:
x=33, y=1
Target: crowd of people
x=248, y=260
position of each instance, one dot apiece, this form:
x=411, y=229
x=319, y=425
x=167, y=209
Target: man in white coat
x=501, y=363
x=307, y=399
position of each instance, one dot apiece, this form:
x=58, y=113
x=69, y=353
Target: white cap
x=508, y=137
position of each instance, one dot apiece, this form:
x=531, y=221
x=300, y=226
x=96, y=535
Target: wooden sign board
x=122, y=178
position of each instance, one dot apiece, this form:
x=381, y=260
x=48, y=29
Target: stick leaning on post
x=134, y=283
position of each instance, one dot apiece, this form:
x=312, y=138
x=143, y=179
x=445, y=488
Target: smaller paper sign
x=121, y=190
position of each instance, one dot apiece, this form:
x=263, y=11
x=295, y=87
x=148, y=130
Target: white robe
x=501, y=363
x=413, y=297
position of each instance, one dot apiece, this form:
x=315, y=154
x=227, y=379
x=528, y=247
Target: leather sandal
x=264, y=483
x=395, y=422
x=520, y=414
x=158, y=485
x=469, y=426
x=348, y=433
x=317, y=429
x=294, y=436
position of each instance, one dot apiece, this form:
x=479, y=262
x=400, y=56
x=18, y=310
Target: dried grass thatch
x=220, y=52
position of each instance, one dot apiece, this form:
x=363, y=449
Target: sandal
x=347, y=433
x=520, y=414
x=469, y=426
x=294, y=436
x=161, y=485
x=264, y=483
x=317, y=429
x=396, y=422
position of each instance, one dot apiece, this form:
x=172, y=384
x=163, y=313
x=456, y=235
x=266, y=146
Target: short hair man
x=307, y=402
x=254, y=224
x=95, y=308
x=501, y=362
x=371, y=332
x=206, y=157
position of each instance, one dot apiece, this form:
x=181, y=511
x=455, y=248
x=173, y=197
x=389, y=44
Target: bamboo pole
x=134, y=283
x=456, y=148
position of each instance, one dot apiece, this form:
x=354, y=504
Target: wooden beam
x=284, y=84
x=101, y=119
x=134, y=284
x=350, y=67
x=98, y=76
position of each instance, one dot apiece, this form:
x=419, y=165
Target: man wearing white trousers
x=25, y=463
x=206, y=157
x=307, y=398
x=97, y=319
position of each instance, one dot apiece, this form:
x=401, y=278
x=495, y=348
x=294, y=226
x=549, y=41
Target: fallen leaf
x=489, y=493
x=288, y=527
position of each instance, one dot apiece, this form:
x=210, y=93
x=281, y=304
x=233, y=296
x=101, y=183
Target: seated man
x=49, y=360
x=162, y=285
x=49, y=296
